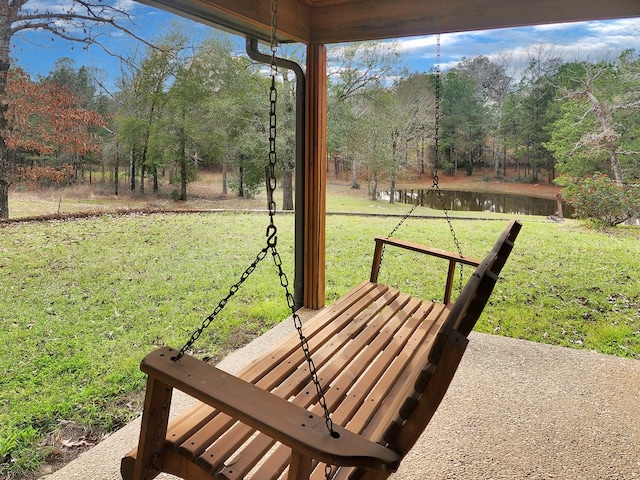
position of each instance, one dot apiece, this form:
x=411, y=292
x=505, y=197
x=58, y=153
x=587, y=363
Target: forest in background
x=179, y=107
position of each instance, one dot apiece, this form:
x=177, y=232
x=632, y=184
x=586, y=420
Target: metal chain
x=272, y=239
x=402, y=220
x=271, y=186
x=304, y=343
x=436, y=142
x=395, y=229
x=232, y=291
x=436, y=136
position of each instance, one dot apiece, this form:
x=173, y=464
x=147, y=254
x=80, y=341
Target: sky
x=37, y=51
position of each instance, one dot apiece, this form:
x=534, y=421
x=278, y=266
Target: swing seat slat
x=384, y=360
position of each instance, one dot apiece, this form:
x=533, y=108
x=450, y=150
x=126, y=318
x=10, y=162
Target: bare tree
x=79, y=21
x=604, y=90
x=356, y=71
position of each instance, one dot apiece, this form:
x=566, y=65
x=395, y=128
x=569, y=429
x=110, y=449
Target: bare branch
x=96, y=14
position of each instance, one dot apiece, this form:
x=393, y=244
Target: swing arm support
x=283, y=421
x=453, y=258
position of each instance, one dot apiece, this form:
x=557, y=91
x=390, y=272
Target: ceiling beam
x=378, y=19
x=247, y=17
x=333, y=21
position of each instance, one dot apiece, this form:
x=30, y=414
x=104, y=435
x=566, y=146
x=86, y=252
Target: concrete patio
x=516, y=410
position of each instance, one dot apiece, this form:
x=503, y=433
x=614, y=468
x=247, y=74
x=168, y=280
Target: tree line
x=550, y=118
x=181, y=106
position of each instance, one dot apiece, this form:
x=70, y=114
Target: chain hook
x=272, y=236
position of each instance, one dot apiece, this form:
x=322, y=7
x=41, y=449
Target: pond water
x=480, y=202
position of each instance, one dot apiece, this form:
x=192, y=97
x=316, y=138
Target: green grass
x=82, y=301
x=564, y=284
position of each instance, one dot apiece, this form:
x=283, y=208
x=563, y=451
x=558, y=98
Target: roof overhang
x=334, y=21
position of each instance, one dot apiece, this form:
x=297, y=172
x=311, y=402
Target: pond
x=480, y=202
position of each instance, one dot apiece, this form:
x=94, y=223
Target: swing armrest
x=283, y=421
x=416, y=247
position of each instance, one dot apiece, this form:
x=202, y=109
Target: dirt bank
x=478, y=183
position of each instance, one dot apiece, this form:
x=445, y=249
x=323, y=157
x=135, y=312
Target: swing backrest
x=432, y=381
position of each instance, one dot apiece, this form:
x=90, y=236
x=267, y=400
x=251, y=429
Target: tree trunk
x=4, y=199
x=354, y=176
x=143, y=172
x=392, y=189
x=241, y=182
x=132, y=171
x=373, y=188
x=287, y=190
x=155, y=179
x=183, y=180
x=504, y=161
x=225, y=188
x=421, y=154
x=183, y=166
x=5, y=44
x=615, y=165
x=559, y=204
x=116, y=172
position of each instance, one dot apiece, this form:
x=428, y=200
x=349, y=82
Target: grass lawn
x=82, y=301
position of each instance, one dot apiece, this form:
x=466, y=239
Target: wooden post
x=315, y=181
x=448, y=288
x=300, y=466
x=155, y=418
x=377, y=260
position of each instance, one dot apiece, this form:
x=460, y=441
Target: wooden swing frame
x=385, y=361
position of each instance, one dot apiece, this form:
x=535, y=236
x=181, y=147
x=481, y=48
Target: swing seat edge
x=282, y=420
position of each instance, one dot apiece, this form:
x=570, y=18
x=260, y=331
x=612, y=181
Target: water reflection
x=480, y=202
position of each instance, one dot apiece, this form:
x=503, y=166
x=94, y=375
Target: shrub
x=600, y=198
x=47, y=176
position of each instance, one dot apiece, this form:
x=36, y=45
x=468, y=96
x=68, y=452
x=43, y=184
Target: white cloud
x=416, y=43
x=126, y=5
x=615, y=27
x=553, y=26
x=594, y=41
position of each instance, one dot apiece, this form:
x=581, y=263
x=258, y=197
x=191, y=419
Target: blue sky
x=37, y=51
x=595, y=40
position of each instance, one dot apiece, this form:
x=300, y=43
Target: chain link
x=304, y=343
x=271, y=247
x=232, y=291
x=272, y=229
x=436, y=142
x=436, y=187
x=396, y=228
x=436, y=135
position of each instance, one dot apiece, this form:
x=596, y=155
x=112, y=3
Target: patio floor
x=515, y=410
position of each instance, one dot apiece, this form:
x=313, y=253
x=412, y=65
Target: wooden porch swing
x=346, y=399
x=384, y=360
